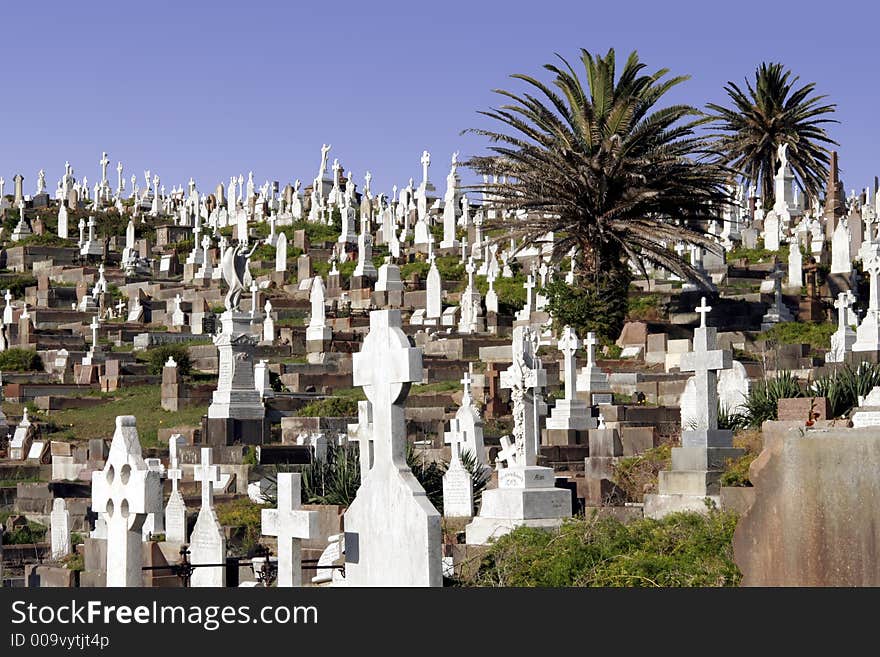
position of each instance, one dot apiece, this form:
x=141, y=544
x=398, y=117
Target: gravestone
x=59, y=521
x=208, y=541
x=458, y=485
x=526, y=493
x=290, y=523
x=124, y=492
x=570, y=418
x=392, y=531
x=705, y=449
x=175, y=510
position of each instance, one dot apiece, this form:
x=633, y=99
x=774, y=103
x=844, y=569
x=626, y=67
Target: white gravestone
x=208, y=541
x=59, y=521
x=458, y=485
x=392, y=531
x=124, y=492
x=290, y=523
x=175, y=510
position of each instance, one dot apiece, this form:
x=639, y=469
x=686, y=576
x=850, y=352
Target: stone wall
x=816, y=516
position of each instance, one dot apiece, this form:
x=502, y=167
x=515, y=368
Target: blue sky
x=214, y=89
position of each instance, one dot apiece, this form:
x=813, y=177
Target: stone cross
x=425, y=162
x=703, y=310
x=508, y=453
x=209, y=474
x=385, y=367
x=104, y=164
x=364, y=436
x=705, y=361
x=590, y=343
x=120, y=307
x=290, y=523
x=125, y=491
x=843, y=303
x=529, y=285
x=569, y=345
x=95, y=325
x=466, y=381
x=454, y=438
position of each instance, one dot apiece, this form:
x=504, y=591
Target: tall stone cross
x=174, y=473
x=425, y=162
x=569, y=345
x=104, y=164
x=705, y=361
x=290, y=523
x=125, y=491
x=507, y=453
x=95, y=325
x=385, y=367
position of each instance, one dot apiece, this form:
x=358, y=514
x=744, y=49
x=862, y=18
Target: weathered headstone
x=290, y=523
x=208, y=542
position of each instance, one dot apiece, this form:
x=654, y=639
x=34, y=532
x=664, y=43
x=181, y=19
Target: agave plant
x=604, y=167
x=769, y=113
x=843, y=386
x=761, y=404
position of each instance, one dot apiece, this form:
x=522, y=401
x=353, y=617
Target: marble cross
x=290, y=523
x=125, y=491
x=385, y=367
x=208, y=474
x=569, y=345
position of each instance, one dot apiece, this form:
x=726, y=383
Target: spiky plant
x=769, y=112
x=603, y=166
x=764, y=395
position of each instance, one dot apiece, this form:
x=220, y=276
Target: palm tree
x=602, y=168
x=766, y=115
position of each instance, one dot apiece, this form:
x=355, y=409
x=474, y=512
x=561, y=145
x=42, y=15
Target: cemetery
x=472, y=378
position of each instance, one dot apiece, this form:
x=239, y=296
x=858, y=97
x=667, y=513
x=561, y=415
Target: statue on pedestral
x=236, y=272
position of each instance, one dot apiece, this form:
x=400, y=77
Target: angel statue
x=237, y=274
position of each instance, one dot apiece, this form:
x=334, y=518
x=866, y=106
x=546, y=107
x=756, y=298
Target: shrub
x=158, y=356
x=761, y=404
x=329, y=407
x=736, y=471
x=33, y=532
x=17, y=284
x=244, y=515
x=20, y=360
x=845, y=385
x=635, y=474
x=334, y=480
x=590, y=307
x=682, y=549
x=817, y=336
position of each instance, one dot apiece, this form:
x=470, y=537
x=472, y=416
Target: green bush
x=682, y=549
x=33, y=532
x=246, y=517
x=817, y=336
x=761, y=404
x=334, y=480
x=843, y=386
x=736, y=471
x=20, y=360
x=590, y=307
x=158, y=356
x=329, y=407
x=636, y=473
x=17, y=284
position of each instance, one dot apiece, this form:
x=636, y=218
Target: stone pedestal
x=236, y=398
x=695, y=473
x=526, y=496
x=568, y=423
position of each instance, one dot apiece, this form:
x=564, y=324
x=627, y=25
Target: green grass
x=144, y=402
x=329, y=407
x=816, y=335
x=682, y=549
x=755, y=256
x=440, y=386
